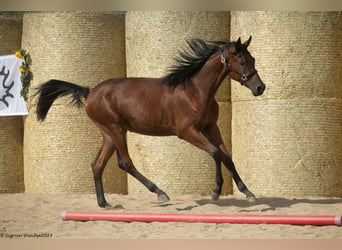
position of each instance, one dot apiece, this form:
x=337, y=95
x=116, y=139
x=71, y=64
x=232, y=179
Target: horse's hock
x=84, y=48
x=289, y=141
x=11, y=127
x=174, y=165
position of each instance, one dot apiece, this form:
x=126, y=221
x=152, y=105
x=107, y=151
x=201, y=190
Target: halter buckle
x=223, y=59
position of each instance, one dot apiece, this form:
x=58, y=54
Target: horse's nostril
x=261, y=89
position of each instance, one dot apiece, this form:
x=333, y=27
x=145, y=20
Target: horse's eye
x=242, y=63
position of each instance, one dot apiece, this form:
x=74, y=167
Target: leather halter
x=244, y=77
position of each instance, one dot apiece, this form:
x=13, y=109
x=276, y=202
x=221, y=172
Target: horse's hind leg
x=106, y=151
x=125, y=163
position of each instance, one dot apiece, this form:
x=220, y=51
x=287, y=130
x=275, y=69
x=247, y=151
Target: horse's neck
x=210, y=77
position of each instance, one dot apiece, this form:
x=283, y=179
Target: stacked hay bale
x=289, y=141
x=11, y=127
x=174, y=165
x=84, y=48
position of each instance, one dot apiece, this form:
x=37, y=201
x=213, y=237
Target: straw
x=289, y=141
x=11, y=128
x=84, y=48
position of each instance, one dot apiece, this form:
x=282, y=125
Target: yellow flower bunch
x=19, y=54
x=22, y=69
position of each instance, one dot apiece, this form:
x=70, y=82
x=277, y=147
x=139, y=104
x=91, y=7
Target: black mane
x=191, y=61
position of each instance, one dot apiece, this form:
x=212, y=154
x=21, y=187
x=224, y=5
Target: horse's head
x=241, y=66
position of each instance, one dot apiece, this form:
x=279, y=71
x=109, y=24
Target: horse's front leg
x=216, y=192
x=213, y=134
x=228, y=162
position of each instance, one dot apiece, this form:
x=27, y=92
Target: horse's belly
x=155, y=122
x=149, y=129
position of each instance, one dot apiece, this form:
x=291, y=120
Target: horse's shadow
x=270, y=203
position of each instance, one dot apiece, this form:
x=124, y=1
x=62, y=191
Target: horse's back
x=129, y=102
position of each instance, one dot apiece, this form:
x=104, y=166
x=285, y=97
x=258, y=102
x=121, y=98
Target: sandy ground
x=38, y=215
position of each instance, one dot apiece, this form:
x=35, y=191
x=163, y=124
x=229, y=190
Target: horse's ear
x=248, y=41
x=238, y=42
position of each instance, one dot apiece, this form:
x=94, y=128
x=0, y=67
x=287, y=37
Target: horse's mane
x=190, y=61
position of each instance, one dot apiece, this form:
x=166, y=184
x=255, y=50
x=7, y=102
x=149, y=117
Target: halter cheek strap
x=244, y=77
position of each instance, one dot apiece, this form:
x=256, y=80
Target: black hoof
x=105, y=205
x=163, y=197
x=215, y=196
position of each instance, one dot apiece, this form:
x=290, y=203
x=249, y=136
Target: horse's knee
x=122, y=166
x=125, y=166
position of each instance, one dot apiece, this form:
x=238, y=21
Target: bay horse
x=182, y=103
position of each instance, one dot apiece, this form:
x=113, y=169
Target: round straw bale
x=11, y=128
x=152, y=48
x=174, y=165
x=84, y=48
x=289, y=141
x=11, y=155
x=10, y=34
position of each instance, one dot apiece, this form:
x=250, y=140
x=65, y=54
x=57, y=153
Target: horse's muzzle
x=259, y=90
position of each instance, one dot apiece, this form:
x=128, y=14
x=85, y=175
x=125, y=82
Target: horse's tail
x=48, y=92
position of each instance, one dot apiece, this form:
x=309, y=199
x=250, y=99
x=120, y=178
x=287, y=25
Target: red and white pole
x=206, y=218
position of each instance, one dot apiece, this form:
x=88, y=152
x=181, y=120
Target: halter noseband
x=244, y=77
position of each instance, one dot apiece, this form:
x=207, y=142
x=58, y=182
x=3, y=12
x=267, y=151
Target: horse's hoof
x=163, y=198
x=251, y=198
x=106, y=205
x=215, y=196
